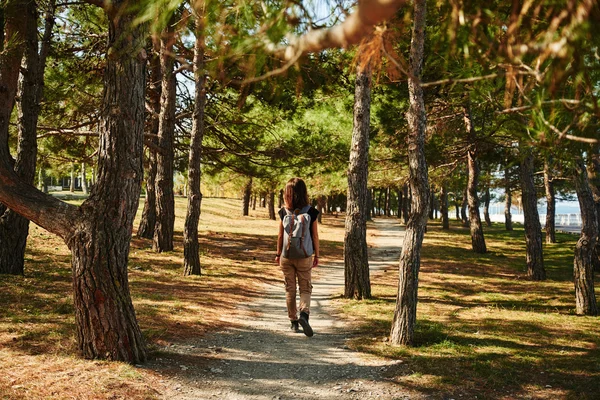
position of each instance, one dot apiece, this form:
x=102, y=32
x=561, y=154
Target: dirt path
x=260, y=358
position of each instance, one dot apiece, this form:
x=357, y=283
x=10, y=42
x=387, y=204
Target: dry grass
x=38, y=356
x=484, y=330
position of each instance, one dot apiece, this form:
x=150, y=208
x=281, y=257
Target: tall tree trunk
x=247, y=196
x=444, y=207
x=356, y=260
x=457, y=206
x=379, y=198
x=431, y=202
x=320, y=205
x=99, y=232
x=533, y=229
x=14, y=229
x=583, y=265
x=148, y=220
x=463, y=209
x=191, y=247
x=550, y=204
x=370, y=213
x=405, y=314
x=400, y=200
x=84, y=186
x=73, y=177
x=388, y=200
x=593, y=168
x=477, y=238
x=508, y=199
x=165, y=198
x=486, y=207
x=406, y=205
x=271, y=204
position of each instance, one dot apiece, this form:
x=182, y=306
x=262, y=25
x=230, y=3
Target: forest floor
x=483, y=331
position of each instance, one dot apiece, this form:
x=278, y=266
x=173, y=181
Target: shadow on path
x=260, y=358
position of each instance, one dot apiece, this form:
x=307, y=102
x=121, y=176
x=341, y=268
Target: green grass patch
x=483, y=329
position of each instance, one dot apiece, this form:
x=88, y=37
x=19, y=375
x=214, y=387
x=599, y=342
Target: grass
x=483, y=329
x=38, y=355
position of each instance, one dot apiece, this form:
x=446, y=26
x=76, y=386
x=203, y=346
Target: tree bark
x=508, y=199
x=191, y=247
x=99, y=232
x=463, y=209
x=84, y=186
x=444, y=208
x=533, y=229
x=405, y=313
x=271, y=204
x=14, y=229
x=148, y=220
x=477, y=238
x=356, y=259
x=165, y=198
x=247, y=196
x=583, y=265
x=593, y=169
x=550, y=204
x=486, y=207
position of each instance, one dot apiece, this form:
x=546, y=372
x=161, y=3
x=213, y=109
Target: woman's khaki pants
x=298, y=269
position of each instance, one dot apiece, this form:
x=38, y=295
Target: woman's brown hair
x=295, y=194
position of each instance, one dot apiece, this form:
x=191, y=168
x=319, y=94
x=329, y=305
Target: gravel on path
x=259, y=357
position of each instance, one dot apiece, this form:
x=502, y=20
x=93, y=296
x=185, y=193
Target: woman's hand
x=277, y=260
x=315, y=262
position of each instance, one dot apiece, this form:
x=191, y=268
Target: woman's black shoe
x=295, y=326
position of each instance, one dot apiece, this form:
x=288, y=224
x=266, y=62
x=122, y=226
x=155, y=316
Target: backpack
x=297, y=242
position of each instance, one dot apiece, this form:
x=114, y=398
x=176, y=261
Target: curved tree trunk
x=550, y=204
x=165, y=198
x=191, y=247
x=148, y=219
x=356, y=259
x=405, y=313
x=14, y=229
x=477, y=238
x=444, y=207
x=533, y=228
x=583, y=266
x=99, y=232
x=508, y=200
x=247, y=196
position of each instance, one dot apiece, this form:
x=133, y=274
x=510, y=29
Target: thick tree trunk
x=405, y=313
x=550, y=204
x=247, y=196
x=486, y=207
x=14, y=229
x=99, y=232
x=583, y=265
x=271, y=204
x=191, y=247
x=356, y=260
x=508, y=199
x=444, y=207
x=477, y=238
x=165, y=198
x=533, y=229
x=148, y=220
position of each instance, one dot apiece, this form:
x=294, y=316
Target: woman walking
x=298, y=251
